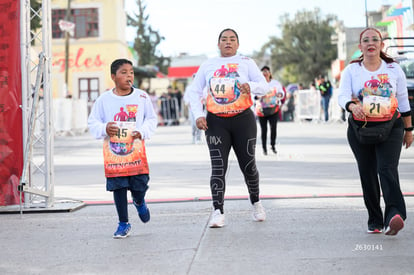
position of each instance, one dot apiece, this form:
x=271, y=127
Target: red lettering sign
x=79, y=62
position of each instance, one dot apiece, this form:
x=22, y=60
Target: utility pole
x=67, y=37
x=366, y=14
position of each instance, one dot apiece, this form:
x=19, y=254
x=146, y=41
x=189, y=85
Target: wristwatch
x=409, y=129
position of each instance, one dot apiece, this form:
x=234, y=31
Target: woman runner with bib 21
x=230, y=123
x=373, y=88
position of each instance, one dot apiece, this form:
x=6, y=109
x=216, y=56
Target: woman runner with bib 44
x=374, y=90
x=230, y=123
x=124, y=117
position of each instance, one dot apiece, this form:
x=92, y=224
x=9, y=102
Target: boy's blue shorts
x=135, y=183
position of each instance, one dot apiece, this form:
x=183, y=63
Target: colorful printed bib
x=378, y=100
x=224, y=97
x=377, y=106
x=124, y=155
x=270, y=103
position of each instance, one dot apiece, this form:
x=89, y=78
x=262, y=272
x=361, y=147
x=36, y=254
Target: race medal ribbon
x=124, y=155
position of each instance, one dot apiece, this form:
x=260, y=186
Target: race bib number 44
x=377, y=106
x=223, y=90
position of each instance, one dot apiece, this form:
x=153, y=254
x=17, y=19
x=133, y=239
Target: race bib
x=124, y=155
x=124, y=134
x=376, y=106
x=224, y=90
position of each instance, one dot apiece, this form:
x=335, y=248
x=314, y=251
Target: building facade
x=392, y=20
x=97, y=39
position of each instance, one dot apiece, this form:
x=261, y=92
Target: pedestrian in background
x=288, y=108
x=195, y=132
x=124, y=117
x=325, y=88
x=230, y=123
x=268, y=107
x=374, y=89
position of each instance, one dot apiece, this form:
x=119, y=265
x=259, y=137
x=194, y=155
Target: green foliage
x=147, y=40
x=305, y=49
x=35, y=19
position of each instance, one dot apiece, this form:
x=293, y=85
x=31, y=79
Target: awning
x=182, y=72
x=356, y=54
x=142, y=71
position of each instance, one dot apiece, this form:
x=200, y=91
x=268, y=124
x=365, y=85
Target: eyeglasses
x=374, y=39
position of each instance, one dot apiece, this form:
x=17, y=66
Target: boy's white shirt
x=108, y=104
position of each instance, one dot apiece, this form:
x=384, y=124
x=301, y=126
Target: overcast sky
x=193, y=26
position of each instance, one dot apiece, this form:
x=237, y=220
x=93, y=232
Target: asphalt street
x=316, y=220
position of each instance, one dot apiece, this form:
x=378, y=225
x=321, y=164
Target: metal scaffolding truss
x=38, y=135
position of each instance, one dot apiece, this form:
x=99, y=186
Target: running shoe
x=217, y=219
x=395, y=225
x=374, y=229
x=123, y=231
x=143, y=211
x=259, y=213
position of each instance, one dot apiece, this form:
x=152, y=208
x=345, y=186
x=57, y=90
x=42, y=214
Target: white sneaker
x=259, y=213
x=217, y=219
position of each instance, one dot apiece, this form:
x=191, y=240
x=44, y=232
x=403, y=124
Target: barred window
x=86, y=22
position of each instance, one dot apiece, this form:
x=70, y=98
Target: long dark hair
x=383, y=55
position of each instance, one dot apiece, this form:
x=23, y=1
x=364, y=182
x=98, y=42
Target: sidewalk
x=316, y=219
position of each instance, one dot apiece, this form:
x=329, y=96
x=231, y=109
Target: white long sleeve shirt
x=356, y=79
x=242, y=68
x=109, y=107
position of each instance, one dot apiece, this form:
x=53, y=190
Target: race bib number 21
x=377, y=106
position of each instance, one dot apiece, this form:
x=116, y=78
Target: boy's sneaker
x=143, y=211
x=395, y=225
x=259, y=213
x=217, y=219
x=374, y=229
x=123, y=231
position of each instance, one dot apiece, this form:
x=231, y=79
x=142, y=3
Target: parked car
x=407, y=64
x=403, y=52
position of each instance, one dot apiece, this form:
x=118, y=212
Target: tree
x=35, y=17
x=147, y=40
x=305, y=49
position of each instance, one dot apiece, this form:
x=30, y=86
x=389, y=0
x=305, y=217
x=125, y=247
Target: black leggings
x=121, y=201
x=272, y=119
x=240, y=133
x=378, y=171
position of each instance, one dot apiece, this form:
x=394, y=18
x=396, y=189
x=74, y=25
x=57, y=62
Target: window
x=86, y=22
x=89, y=90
